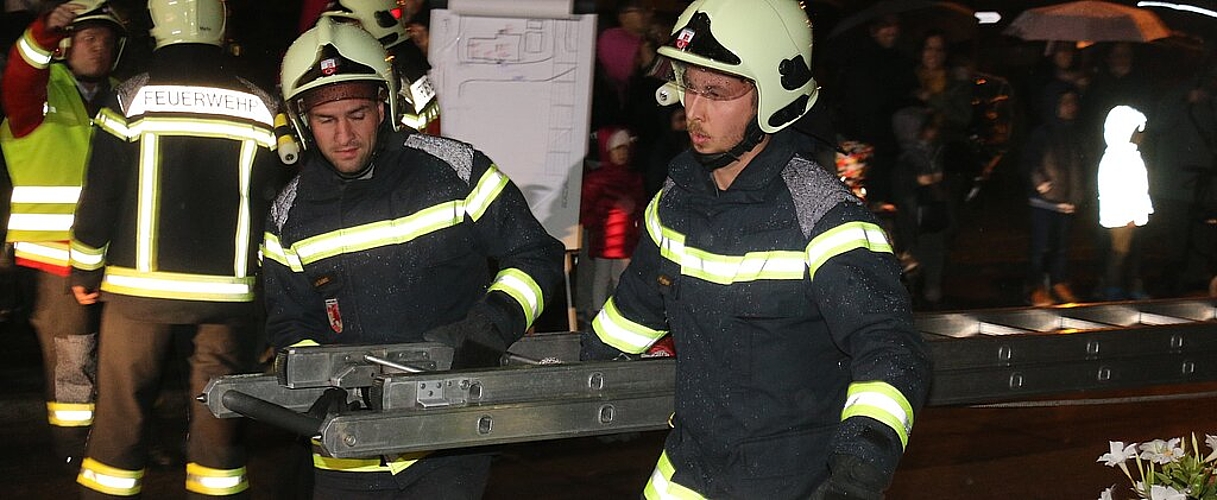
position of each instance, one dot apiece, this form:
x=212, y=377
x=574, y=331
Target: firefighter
x=385, y=237
x=167, y=230
x=381, y=18
x=57, y=77
x=798, y=367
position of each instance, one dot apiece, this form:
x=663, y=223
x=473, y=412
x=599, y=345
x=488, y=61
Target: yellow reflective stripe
x=40, y=222
x=273, y=250
x=485, y=192
x=616, y=330
x=148, y=199
x=521, y=287
x=204, y=100
x=180, y=286
x=844, y=238
x=36, y=56
x=661, y=486
x=215, y=482
x=879, y=400
x=87, y=258
x=109, y=480
x=69, y=414
x=46, y=194
x=49, y=252
x=717, y=268
x=377, y=234
x=377, y=464
x=305, y=343
x=241, y=240
x=113, y=123
x=194, y=127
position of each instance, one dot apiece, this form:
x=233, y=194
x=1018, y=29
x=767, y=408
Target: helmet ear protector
x=725, y=36
x=95, y=13
x=331, y=62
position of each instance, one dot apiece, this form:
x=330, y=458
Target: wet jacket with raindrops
x=794, y=335
x=436, y=231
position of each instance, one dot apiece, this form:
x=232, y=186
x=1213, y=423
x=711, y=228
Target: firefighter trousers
x=67, y=334
x=132, y=357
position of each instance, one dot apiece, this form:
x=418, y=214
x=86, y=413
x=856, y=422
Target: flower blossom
x=1118, y=454
x=1212, y=442
x=1157, y=492
x=1106, y=494
x=1162, y=452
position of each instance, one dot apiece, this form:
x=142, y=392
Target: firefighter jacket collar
x=764, y=168
x=318, y=171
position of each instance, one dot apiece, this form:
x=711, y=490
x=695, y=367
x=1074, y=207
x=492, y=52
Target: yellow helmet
x=187, y=21
x=332, y=53
x=766, y=41
x=97, y=12
x=378, y=17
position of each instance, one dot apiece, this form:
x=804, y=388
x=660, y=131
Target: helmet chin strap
x=715, y=161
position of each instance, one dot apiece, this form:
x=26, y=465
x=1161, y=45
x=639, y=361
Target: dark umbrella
x=1089, y=20
x=957, y=21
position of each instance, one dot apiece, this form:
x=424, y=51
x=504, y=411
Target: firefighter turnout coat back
x=793, y=332
x=176, y=193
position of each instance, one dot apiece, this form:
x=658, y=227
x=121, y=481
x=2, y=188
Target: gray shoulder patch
x=125, y=91
x=283, y=204
x=814, y=190
x=456, y=154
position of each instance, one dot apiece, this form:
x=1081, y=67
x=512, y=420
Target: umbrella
x=1089, y=20
x=957, y=21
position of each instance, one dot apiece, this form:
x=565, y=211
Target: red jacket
x=612, y=206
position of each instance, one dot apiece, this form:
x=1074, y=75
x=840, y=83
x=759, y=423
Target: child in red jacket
x=611, y=211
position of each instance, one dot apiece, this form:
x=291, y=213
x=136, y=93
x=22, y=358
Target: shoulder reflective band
x=880, y=401
x=43, y=251
x=844, y=238
x=100, y=477
x=215, y=482
x=69, y=414
x=722, y=269
x=199, y=100
x=87, y=258
x=36, y=56
x=521, y=287
x=661, y=486
x=116, y=125
x=485, y=192
x=616, y=330
x=179, y=286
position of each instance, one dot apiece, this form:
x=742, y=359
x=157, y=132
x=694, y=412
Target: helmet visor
x=702, y=82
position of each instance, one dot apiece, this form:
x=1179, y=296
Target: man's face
x=718, y=109
x=92, y=52
x=345, y=131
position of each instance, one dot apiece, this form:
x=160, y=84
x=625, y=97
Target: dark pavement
x=1034, y=452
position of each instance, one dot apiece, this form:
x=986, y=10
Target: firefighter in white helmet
x=384, y=237
x=182, y=173
x=57, y=77
x=798, y=368
x=382, y=19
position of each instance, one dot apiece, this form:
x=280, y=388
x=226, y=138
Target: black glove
x=476, y=341
x=591, y=348
x=851, y=478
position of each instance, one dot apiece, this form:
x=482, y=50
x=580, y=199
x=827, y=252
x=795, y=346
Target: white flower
x=1165, y=493
x=1212, y=442
x=1162, y=452
x=1106, y=494
x=1118, y=454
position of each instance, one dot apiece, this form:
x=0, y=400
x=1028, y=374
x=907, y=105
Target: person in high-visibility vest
x=166, y=232
x=57, y=76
